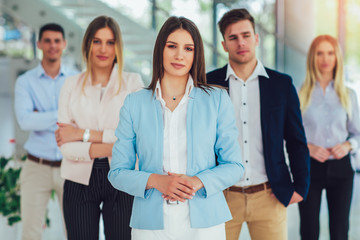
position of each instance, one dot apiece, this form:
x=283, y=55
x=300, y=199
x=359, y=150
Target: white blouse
x=85, y=108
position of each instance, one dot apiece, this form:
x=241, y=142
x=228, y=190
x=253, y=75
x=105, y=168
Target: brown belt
x=251, y=189
x=44, y=161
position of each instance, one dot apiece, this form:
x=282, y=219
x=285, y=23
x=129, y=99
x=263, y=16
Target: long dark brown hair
x=197, y=70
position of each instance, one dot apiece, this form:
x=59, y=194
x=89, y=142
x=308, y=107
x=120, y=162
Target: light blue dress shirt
x=326, y=122
x=36, y=109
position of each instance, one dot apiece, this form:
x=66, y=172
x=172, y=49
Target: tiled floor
x=55, y=232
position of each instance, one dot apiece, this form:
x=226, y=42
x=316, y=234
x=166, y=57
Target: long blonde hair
x=313, y=73
x=87, y=44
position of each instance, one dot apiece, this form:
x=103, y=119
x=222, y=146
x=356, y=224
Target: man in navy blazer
x=267, y=115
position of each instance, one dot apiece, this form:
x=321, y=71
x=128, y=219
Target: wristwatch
x=86, y=135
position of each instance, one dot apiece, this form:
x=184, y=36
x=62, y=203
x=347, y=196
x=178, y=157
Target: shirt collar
x=112, y=80
x=330, y=85
x=188, y=88
x=41, y=72
x=258, y=71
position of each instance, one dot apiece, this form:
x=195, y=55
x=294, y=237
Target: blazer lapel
x=189, y=128
x=218, y=76
x=222, y=78
x=158, y=131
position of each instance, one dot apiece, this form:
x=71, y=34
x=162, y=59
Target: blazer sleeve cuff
x=76, y=151
x=109, y=136
x=301, y=191
x=203, y=192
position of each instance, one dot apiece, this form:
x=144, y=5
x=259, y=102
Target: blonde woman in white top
x=88, y=115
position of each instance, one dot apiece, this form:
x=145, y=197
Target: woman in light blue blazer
x=175, y=128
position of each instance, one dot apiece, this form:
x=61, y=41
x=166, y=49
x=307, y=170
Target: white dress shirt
x=245, y=95
x=175, y=152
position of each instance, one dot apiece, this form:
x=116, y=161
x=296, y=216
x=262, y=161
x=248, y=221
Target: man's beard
x=52, y=60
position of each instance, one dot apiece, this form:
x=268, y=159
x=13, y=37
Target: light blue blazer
x=211, y=129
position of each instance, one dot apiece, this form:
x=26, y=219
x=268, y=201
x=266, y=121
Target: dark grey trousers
x=82, y=207
x=336, y=178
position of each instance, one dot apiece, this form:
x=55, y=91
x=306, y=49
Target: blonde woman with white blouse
x=88, y=115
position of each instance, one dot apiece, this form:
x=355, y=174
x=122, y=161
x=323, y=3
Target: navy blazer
x=280, y=120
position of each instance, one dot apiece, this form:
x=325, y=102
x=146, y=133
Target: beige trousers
x=36, y=183
x=263, y=213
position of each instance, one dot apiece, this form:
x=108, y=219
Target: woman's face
x=178, y=55
x=103, y=49
x=325, y=57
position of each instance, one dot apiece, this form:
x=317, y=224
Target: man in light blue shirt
x=36, y=107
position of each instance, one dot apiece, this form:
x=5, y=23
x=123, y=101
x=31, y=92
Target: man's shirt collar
x=41, y=71
x=258, y=71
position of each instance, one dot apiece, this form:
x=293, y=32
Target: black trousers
x=336, y=177
x=82, y=207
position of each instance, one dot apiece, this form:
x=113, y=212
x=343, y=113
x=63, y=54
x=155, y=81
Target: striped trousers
x=82, y=207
